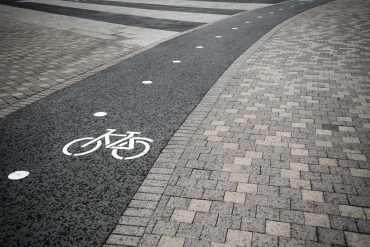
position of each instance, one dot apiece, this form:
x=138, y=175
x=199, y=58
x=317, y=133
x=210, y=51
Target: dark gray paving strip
x=76, y=201
x=164, y=7
x=130, y=20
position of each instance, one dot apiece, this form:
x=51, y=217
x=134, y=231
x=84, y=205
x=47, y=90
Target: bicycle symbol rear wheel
x=86, y=139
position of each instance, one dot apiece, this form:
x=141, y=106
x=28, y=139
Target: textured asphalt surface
x=76, y=201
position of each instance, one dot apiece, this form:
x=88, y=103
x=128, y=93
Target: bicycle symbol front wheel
x=78, y=153
x=146, y=149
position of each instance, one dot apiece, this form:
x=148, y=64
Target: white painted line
x=176, y=61
x=234, y=28
x=271, y=12
x=100, y=114
x=218, y=36
x=259, y=17
x=147, y=82
x=199, y=47
x=247, y=22
x=17, y=175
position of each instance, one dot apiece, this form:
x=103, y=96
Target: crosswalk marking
x=133, y=22
x=201, y=4
x=121, y=34
x=165, y=7
x=173, y=15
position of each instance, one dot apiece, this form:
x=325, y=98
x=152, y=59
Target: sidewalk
x=277, y=153
x=37, y=61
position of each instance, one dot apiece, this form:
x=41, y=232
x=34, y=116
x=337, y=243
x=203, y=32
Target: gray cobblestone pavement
x=36, y=61
x=276, y=154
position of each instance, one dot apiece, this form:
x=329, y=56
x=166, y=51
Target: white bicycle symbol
x=126, y=143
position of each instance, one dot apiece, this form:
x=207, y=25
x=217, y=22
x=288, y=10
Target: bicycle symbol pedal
x=127, y=141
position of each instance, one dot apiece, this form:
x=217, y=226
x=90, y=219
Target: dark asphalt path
x=76, y=201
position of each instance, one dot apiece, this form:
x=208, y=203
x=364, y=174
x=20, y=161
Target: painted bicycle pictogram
x=128, y=142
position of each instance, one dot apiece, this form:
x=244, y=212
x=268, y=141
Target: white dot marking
x=218, y=36
x=259, y=17
x=147, y=82
x=247, y=22
x=234, y=28
x=100, y=114
x=271, y=12
x=292, y=6
x=176, y=61
x=17, y=175
x=281, y=9
x=199, y=47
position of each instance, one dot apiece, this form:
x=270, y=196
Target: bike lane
x=77, y=200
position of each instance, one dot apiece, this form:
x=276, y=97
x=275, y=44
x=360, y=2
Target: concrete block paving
x=276, y=154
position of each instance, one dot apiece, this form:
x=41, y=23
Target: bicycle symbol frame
x=127, y=142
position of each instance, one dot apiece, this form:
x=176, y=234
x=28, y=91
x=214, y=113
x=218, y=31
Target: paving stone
x=244, y=210
x=331, y=236
x=189, y=230
x=213, y=195
x=247, y=188
x=229, y=221
x=290, y=174
x=367, y=212
x=360, y=172
x=357, y=240
x=196, y=243
x=363, y=226
x=235, y=197
x=328, y=162
x=278, y=228
x=214, y=234
x=149, y=240
x=253, y=225
x=312, y=195
x=300, y=184
x=302, y=232
x=291, y=216
x=123, y=240
x=178, y=202
x=199, y=205
x=239, y=177
x=205, y=218
x=298, y=166
x=225, y=208
x=167, y=241
x=185, y=216
x=350, y=211
x=267, y=213
x=314, y=219
x=264, y=240
x=129, y=230
x=165, y=228
x=239, y=238
x=343, y=223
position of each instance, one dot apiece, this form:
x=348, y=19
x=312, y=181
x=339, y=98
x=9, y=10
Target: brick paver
x=36, y=61
x=276, y=154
